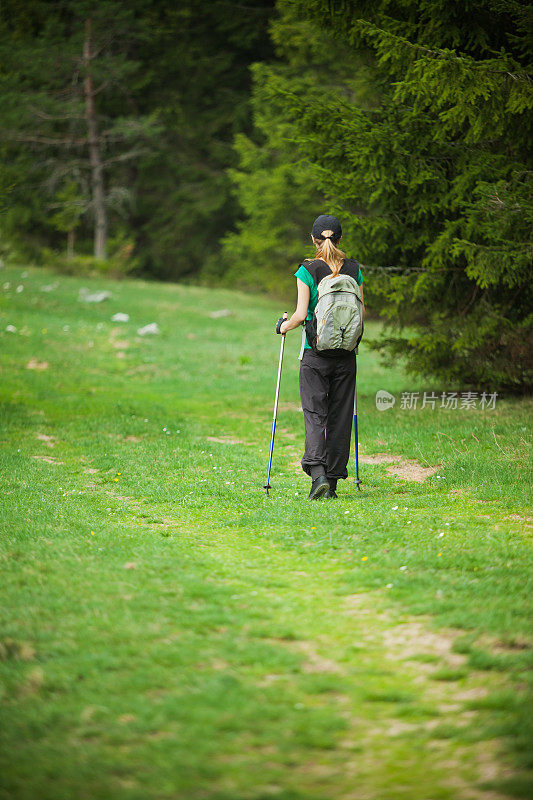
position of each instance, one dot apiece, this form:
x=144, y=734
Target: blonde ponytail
x=327, y=251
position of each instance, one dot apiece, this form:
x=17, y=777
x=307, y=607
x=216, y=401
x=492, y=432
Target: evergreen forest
x=197, y=141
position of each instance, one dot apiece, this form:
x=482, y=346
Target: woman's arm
x=301, y=308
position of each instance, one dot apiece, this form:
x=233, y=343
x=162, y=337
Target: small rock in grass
x=49, y=287
x=11, y=329
x=151, y=328
x=85, y=296
x=120, y=317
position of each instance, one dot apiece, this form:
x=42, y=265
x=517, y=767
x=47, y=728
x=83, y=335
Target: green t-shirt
x=305, y=276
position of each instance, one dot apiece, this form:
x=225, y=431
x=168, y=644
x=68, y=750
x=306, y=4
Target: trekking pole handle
x=280, y=321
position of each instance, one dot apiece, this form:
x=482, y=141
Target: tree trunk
x=97, y=174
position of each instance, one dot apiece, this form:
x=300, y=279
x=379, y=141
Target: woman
x=327, y=384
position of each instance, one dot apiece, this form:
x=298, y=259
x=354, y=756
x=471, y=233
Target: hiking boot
x=331, y=494
x=319, y=488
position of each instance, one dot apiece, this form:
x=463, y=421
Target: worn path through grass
x=168, y=632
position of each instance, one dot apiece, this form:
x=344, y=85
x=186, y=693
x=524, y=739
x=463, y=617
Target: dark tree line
x=200, y=139
x=117, y=124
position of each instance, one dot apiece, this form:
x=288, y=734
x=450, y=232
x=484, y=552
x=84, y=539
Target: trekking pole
x=356, y=435
x=268, y=486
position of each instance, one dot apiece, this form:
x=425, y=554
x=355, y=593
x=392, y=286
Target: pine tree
x=435, y=178
x=63, y=99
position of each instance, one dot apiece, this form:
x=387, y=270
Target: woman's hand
x=284, y=327
x=280, y=322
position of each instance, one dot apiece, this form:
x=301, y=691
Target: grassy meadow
x=169, y=633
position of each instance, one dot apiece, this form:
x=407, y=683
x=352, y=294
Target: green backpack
x=337, y=324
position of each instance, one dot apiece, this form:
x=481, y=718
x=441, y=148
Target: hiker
x=327, y=377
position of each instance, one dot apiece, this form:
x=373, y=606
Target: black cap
x=325, y=222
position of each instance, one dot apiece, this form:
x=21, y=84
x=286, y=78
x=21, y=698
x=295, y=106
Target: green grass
x=169, y=632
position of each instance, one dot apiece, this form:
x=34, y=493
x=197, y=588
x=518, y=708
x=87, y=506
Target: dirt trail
x=403, y=468
x=390, y=693
x=406, y=468
x=382, y=677
x=376, y=671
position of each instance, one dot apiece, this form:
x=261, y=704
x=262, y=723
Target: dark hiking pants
x=327, y=388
